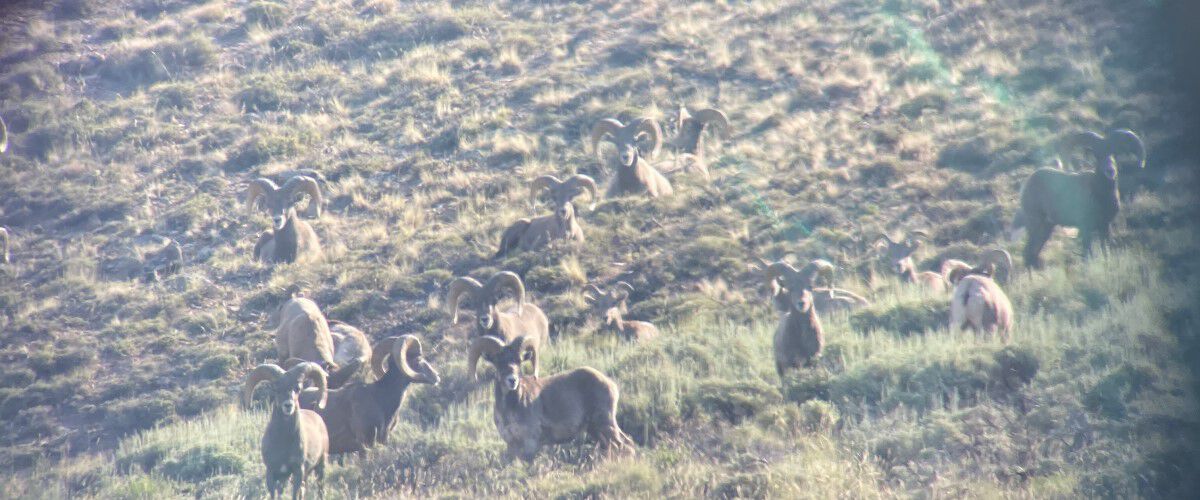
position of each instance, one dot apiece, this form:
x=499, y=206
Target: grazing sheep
x=360, y=414
x=531, y=412
x=265, y=194
x=898, y=255
x=290, y=240
x=150, y=265
x=529, y=234
x=799, y=337
x=296, y=442
x=524, y=319
x=4, y=245
x=634, y=174
x=303, y=333
x=1086, y=201
x=690, y=125
x=613, y=306
x=979, y=303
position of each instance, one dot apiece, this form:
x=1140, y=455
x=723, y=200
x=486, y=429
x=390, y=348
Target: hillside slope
x=427, y=119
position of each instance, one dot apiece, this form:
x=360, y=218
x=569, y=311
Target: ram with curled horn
x=799, y=338
x=688, y=143
x=826, y=299
x=563, y=224
x=997, y=264
x=521, y=319
x=1088, y=201
x=531, y=411
x=296, y=441
x=612, y=305
x=898, y=255
x=363, y=414
x=634, y=173
x=263, y=193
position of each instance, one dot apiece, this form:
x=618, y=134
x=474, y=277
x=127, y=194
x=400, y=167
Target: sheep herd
x=358, y=387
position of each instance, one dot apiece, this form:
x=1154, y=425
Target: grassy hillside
x=427, y=119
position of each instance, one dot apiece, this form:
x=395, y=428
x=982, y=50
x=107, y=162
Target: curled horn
x=3, y=136
x=778, y=269
x=530, y=344
x=396, y=347
x=305, y=184
x=1126, y=141
x=650, y=127
x=540, y=183
x=486, y=344
x=506, y=278
x=1003, y=262
x=573, y=184
x=607, y=126
x=1089, y=140
x=621, y=291
x=817, y=267
x=684, y=114
x=259, y=188
x=592, y=292
x=712, y=116
x=458, y=287
x=315, y=373
x=264, y=372
x=3, y=245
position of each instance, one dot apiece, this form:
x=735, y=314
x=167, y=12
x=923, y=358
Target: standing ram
x=1087, y=201
x=531, y=411
x=799, y=338
x=296, y=442
x=980, y=304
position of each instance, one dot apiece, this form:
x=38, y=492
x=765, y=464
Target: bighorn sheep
x=690, y=125
x=525, y=319
x=289, y=240
x=296, y=442
x=898, y=254
x=612, y=304
x=303, y=333
x=799, y=337
x=164, y=259
x=825, y=299
x=531, y=412
x=979, y=303
x=349, y=345
x=361, y=414
x=634, y=173
x=275, y=200
x=1087, y=201
x=997, y=264
x=529, y=234
x=3, y=245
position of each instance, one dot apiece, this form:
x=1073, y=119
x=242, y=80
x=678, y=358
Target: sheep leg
x=319, y=471
x=1037, y=234
x=297, y=485
x=1085, y=242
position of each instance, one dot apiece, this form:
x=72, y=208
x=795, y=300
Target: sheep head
x=626, y=138
x=614, y=298
x=690, y=124
x=780, y=274
x=287, y=385
x=484, y=296
x=563, y=192
x=997, y=264
x=1104, y=149
x=898, y=254
x=407, y=356
x=507, y=358
x=277, y=200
